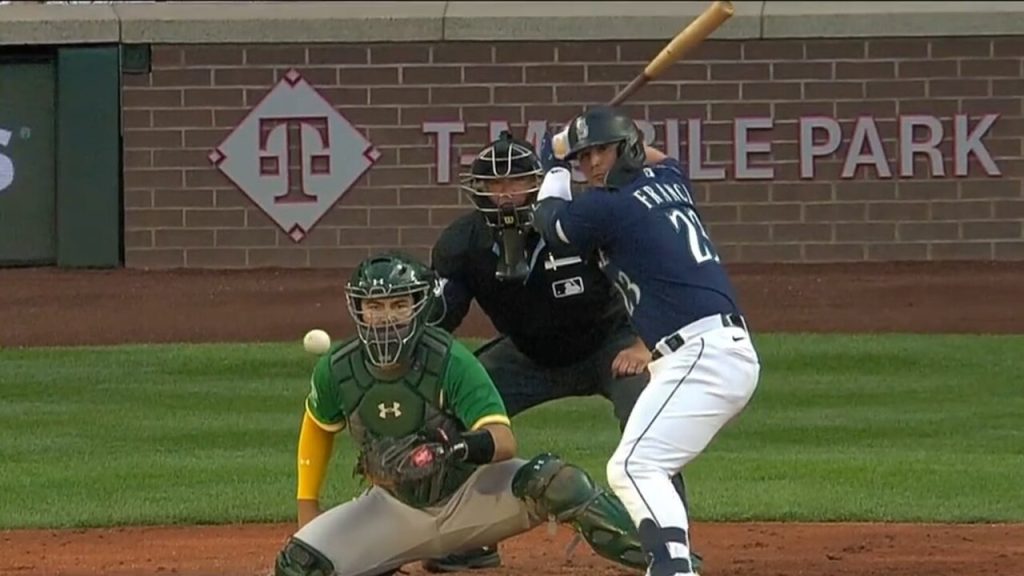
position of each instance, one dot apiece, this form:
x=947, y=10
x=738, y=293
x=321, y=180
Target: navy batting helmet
x=604, y=125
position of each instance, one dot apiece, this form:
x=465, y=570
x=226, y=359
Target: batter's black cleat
x=486, y=557
x=696, y=562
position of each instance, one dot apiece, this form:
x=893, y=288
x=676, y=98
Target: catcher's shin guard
x=552, y=488
x=300, y=559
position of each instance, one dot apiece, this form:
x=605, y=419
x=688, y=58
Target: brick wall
x=181, y=211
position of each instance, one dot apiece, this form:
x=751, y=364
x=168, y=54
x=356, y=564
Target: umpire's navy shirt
x=564, y=312
x=651, y=243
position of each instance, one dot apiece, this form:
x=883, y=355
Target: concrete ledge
x=305, y=22
x=22, y=24
x=861, y=19
x=278, y=22
x=590, y=20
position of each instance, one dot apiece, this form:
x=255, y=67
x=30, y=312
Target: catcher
x=435, y=444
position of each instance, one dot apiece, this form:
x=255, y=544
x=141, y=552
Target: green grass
x=891, y=428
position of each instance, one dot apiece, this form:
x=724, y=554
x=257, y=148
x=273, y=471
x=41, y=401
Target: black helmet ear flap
x=631, y=160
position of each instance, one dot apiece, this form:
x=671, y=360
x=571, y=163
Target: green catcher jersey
x=445, y=388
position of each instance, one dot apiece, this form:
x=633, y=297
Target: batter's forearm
x=545, y=221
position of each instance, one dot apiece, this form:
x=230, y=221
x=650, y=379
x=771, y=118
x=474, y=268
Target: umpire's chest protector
x=396, y=407
x=561, y=290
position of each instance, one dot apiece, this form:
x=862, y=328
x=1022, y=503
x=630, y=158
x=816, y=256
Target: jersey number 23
x=685, y=221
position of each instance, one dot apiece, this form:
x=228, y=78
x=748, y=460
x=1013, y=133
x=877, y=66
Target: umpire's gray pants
x=524, y=384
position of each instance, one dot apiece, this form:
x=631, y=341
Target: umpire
x=563, y=330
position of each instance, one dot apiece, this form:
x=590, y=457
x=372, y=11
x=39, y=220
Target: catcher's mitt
x=394, y=461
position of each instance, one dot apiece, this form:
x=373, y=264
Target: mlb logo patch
x=568, y=287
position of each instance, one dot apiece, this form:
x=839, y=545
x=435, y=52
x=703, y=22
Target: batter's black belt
x=677, y=339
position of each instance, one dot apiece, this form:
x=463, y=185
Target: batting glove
x=548, y=160
x=557, y=183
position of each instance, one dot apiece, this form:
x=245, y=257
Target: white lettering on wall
x=809, y=150
x=866, y=131
x=695, y=154
x=443, y=146
x=743, y=148
x=909, y=147
x=819, y=138
x=672, y=137
x=6, y=164
x=967, y=143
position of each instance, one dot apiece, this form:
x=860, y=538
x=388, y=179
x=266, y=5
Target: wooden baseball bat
x=696, y=32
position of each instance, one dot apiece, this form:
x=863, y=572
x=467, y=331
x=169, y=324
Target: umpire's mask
x=502, y=182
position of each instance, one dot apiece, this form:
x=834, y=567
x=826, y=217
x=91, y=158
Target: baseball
x=316, y=342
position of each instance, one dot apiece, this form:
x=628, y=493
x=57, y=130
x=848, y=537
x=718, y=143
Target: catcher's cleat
x=486, y=557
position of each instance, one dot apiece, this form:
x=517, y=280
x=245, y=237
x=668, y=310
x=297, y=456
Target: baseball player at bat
x=562, y=329
x=435, y=445
x=638, y=215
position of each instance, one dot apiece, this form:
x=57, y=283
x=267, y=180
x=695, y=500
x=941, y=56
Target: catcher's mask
x=503, y=182
x=387, y=297
x=603, y=125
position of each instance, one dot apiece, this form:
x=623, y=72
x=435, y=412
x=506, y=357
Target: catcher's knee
x=550, y=487
x=553, y=488
x=300, y=559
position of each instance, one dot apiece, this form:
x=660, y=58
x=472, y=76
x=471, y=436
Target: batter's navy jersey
x=651, y=243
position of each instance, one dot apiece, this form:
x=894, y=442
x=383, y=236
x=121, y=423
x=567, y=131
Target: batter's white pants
x=693, y=392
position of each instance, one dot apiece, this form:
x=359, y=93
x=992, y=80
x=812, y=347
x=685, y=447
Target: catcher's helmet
x=390, y=337
x=605, y=125
x=506, y=158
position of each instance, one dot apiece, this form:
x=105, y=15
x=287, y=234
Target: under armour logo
x=395, y=410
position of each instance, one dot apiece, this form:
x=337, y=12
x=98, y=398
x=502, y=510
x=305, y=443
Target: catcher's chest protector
x=399, y=407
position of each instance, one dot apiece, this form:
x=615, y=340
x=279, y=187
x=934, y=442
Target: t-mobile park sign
x=819, y=137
